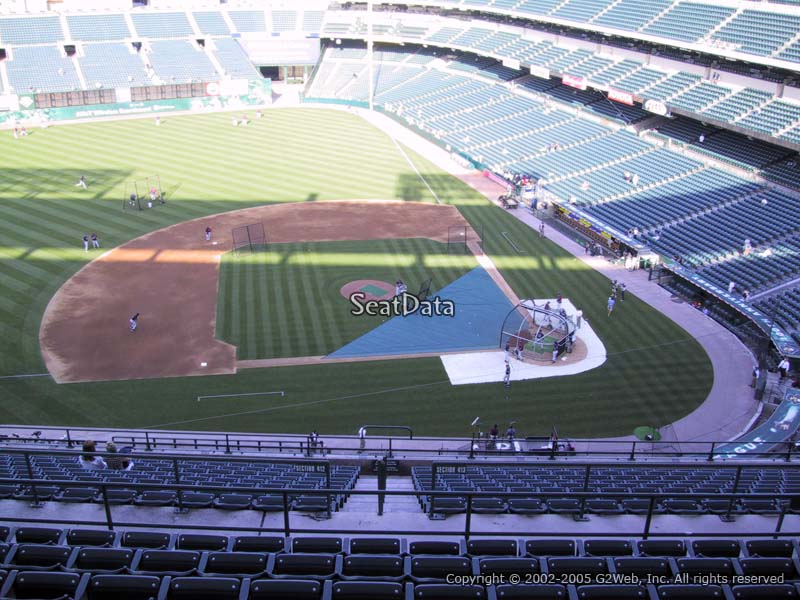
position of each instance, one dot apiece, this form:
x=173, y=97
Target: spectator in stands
x=746, y=295
x=88, y=460
x=702, y=138
x=635, y=179
x=362, y=438
x=117, y=462
x=313, y=442
x=493, y=433
x=731, y=287
x=511, y=432
x=783, y=367
x=627, y=176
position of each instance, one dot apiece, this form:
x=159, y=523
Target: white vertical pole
x=369, y=54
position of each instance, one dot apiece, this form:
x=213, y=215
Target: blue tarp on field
x=480, y=308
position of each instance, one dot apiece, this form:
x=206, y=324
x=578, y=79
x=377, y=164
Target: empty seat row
x=399, y=546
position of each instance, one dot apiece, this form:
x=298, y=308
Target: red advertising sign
x=620, y=96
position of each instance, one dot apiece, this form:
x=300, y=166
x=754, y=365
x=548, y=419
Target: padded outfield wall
x=244, y=93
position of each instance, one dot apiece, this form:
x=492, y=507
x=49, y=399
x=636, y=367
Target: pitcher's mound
x=371, y=288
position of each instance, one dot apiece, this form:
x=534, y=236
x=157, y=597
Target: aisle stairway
x=393, y=504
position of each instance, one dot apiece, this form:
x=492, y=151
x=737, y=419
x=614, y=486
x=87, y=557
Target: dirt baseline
x=171, y=276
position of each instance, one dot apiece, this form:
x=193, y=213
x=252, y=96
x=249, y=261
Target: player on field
x=133, y=322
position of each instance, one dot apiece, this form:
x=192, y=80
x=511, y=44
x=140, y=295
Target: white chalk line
x=301, y=404
x=413, y=166
x=510, y=241
x=281, y=392
x=25, y=376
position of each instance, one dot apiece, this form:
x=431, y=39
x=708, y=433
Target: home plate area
x=485, y=367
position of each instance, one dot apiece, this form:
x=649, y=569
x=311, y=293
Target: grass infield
x=287, y=302
x=655, y=372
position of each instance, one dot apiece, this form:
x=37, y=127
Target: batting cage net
x=424, y=289
x=535, y=333
x=457, y=238
x=250, y=238
x=141, y=194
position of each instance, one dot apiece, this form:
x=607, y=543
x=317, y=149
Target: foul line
x=508, y=239
x=413, y=166
x=25, y=376
x=238, y=395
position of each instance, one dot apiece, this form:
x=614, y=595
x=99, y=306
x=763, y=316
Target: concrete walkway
x=730, y=408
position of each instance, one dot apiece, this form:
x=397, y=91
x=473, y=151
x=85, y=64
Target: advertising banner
x=620, y=96
x=255, y=93
x=574, y=81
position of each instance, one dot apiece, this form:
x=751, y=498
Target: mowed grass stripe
x=311, y=302
x=236, y=282
x=266, y=332
x=277, y=306
x=297, y=307
x=330, y=334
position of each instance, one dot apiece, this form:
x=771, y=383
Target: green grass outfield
x=655, y=372
x=287, y=301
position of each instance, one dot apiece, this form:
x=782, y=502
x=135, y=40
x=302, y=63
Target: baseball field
x=273, y=304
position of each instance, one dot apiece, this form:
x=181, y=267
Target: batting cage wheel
x=141, y=194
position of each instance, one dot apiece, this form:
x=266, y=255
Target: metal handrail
x=630, y=450
x=467, y=531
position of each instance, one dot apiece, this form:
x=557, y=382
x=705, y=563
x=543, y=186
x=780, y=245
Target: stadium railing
x=406, y=446
x=785, y=503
